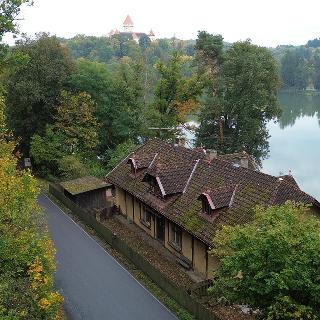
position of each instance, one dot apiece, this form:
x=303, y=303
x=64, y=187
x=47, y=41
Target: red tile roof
x=128, y=21
x=183, y=183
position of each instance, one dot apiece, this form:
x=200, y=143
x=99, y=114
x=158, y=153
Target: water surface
x=295, y=141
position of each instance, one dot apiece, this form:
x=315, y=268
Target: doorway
x=160, y=228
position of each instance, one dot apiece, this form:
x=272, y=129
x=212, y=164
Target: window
x=176, y=236
x=206, y=206
x=145, y=217
x=154, y=188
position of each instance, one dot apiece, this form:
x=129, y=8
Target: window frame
x=176, y=237
x=145, y=217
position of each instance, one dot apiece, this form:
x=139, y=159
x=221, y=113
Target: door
x=160, y=228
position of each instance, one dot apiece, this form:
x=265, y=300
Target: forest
x=78, y=105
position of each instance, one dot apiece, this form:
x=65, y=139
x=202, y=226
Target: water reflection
x=295, y=106
x=295, y=141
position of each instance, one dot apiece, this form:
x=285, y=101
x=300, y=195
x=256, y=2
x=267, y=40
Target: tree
x=175, y=94
x=144, y=42
x=118, y=95
x=33, y=89
x=294, y=71
x=209, y=55
x=119, y=153
x=246, y=99
x=26, y=252
x=272, y=263
x=72, y=136
x=47, y=150
x=75, y=121
x=9, y=11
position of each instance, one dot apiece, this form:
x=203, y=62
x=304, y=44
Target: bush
x=271, y=263
x=286, y=309
x=119, y=153
x=26, y=252
x=71, y=167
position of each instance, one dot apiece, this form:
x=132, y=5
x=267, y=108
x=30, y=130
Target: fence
x=190, y=303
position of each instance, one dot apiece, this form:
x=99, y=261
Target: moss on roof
x=84, y=184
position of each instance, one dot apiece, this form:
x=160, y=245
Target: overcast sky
x=265, y=22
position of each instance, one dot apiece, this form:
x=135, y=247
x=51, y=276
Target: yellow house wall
x=137, y=214
x=199, y=256
x=121, y=200
x=187, y=244
x=129, y=205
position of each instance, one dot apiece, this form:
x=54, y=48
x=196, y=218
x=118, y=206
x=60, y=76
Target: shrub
x=273, y=262
x=71, y=167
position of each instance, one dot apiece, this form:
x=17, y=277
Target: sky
x=267, y=23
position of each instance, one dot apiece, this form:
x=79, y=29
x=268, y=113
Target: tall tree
x=176, y=94
x=209, y=56
x=294, y=71
x=118, y=95
x=33, y=89
x=246, y=100
x=76, y=122
x=9, y=11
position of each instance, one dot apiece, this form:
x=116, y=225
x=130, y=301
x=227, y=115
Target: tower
x=151, y=35
x=128, y=24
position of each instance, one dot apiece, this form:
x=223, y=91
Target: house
x=181, y=196
x=87, y=192
x=128, y=31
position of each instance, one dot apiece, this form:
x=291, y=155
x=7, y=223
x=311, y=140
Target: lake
x=295, y=141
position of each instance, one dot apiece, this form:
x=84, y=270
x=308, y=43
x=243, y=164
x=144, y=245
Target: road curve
x=94, y=285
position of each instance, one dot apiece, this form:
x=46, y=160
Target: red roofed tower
x=151, y=35
x=128, y=24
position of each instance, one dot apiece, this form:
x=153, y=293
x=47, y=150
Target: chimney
x=244, y=162
x=181, y=142
x=211, y=154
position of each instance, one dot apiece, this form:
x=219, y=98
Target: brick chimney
x=244, y=162
x=211, y=154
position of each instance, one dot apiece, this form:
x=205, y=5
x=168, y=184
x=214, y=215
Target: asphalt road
x=94, y=285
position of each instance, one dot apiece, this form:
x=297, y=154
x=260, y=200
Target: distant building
x=128, y=31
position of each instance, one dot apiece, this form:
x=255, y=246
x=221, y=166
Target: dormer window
x=215, y=200
x=154, y=187
x=206, y=206
x=133, y=165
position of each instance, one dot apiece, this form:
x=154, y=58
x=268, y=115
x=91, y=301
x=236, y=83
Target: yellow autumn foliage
x=26, y=251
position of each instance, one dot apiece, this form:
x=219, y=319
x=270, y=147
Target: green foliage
x=144, y=42
x=26, y=252
x=47, y=150
x=119, y=153
x=315, y=43
x=117, y=92
x=175, y=94
x=76, y=122
x=70, y=167
x=209, y=53
x=294, y=71
x=33, y=90
x=272, y=263
x=9, y=10
x=244, y=99
x=286, y=309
